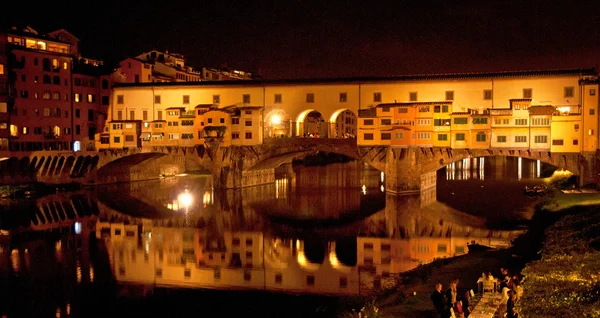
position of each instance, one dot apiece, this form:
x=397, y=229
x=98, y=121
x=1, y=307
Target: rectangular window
x=487, y=94
x=386, y=136
x=424, y=136
x=159, y=114
x=216, y=99
x=248, y=123
x=576, y=126
x=557, y=142
x=77, y=97
x=442, y=137
x=541, y=139
x=575, y=142
x=527, y=93
x=210, y=120
x=120, y=99
x=120, y=115
x=368, y=122
x=235, y=135
x=461, y=120
x=437, y=108
x=386, y=121
x=2, y=69
x=105, y=100
x=449, y=95
x=423, y=109
x=460, y=137
x=569, y=91
x=277, y=99
x=501, y=138
x=481, y=137
x=235, y=121
x=186, y=99
x=399, y=136
x=129, y=138
x=520, y=138
x=156, y=99
x=368, y=136
x=441, y=122
x=480, y=120
x=412, y=96
x=145, y=115
x=377, y=97
x=343, y=97
x=592, y=111
x=310, y=97
x=116, y=140
x=246, y=98
x=592, y=92
x=540, y=121
x=248, y=135
x=521, y=122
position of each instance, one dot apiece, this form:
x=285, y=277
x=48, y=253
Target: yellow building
x=496, y=106
x=540, y=118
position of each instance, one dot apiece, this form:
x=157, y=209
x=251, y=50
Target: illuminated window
x=65, y=66
x=56, y=95
x=591, y=132
x=14, y=130
x=91, y=98
x=1, y=69
x=55, y=65
x=46, y=95
x=25, y=130
x=41, y=45
x=77, y=97
x=30, y=44
x=3, y=125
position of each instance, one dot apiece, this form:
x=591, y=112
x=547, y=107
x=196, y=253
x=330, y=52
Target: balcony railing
x=501, y=112
x=188, y=114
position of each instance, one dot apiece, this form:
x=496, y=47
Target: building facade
x=44, y=83
x=538, y=110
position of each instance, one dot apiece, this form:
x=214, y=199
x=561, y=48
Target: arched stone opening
x=277, y=124
x=342, y=124
x=311, y=123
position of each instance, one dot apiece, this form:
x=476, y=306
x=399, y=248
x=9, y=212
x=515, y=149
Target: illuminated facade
x=539, y=110
x=51, y=97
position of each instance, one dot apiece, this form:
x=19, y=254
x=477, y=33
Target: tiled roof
x=403, y=78
x=541, y=110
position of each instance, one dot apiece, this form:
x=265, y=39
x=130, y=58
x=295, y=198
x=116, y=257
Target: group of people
x=511, y=289
x=449, y=300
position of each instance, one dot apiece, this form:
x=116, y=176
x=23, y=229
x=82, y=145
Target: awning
x=145, y=135
x=157, y=134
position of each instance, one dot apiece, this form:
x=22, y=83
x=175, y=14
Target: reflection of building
x=195, y=258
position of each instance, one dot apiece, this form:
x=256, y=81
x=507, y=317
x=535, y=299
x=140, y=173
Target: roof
x=178, y=108
x=541, y=110
x=403, y=78
x=405, y=104
x=520, y=99
x=204, y=106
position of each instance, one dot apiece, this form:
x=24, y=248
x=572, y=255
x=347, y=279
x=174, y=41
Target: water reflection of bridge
x=152, y=237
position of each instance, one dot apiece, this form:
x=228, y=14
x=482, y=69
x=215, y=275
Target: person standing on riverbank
x=437, y=298
x=451, y=294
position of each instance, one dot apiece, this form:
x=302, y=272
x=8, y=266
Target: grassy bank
x=559, y=246
x=565, y=281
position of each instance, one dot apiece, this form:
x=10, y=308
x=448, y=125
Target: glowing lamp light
x=276, y=120
x=563, y=109
x=185, y=199
x=77, y=227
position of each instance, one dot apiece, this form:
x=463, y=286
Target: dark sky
x=331, y=38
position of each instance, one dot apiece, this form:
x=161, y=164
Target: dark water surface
x=298, y=248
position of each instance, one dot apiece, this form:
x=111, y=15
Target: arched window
x=104, y=84
x=46, y=65
x=55, y=65
x=46, y=95
x=56, y=95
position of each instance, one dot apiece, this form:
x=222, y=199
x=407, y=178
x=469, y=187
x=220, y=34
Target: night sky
x=332, y=38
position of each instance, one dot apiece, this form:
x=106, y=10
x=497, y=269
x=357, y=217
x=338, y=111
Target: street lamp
x=185, y=199
x=276, y=120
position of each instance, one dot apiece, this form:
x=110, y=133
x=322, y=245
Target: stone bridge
x=406, y=169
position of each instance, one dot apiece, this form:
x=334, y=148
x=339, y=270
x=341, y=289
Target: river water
x=175, y=247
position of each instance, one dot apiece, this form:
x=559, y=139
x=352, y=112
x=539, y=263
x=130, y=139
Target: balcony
x=567, y=110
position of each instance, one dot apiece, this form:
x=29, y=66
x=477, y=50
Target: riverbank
x=564, y=221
